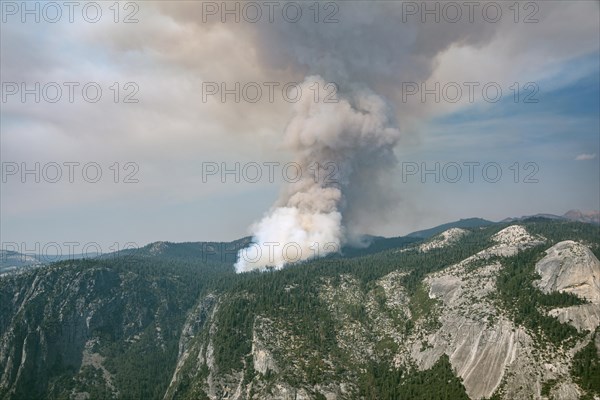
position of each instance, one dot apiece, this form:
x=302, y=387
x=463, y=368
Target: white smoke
x=340, y=144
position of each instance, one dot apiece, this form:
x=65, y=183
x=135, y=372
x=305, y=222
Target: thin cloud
x=584, y=157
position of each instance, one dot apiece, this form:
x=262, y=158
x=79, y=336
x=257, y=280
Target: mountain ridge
x=11, y=261
x=166, y=324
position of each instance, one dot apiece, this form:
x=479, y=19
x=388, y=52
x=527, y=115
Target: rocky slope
x=460, y=318
x=572, y=268
x=79, y=330
x=445, y=238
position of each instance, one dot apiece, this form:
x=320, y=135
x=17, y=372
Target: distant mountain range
x=226, y=251
x=589, y=217
x=12, y=260
x=463, y=223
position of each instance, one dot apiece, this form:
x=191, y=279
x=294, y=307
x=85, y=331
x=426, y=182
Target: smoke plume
x=340, y=143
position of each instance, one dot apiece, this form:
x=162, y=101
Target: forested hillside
x=407, y=322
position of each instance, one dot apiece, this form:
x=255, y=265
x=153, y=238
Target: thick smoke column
x=351, y=139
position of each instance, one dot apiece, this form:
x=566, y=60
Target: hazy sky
x=159, y=127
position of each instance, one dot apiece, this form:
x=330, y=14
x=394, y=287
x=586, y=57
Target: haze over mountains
x=592, y=217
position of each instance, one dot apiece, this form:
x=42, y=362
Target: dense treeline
x=527, y=304
x=381, y=382
x=166, y=289
x=586, y=368
x=140, y=305
x=557, y=231
x=290, y=295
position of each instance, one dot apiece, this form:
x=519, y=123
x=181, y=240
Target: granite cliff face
x=496, y=312
x=570, y=267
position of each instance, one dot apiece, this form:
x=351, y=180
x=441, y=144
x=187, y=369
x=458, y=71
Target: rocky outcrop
x=565, y=391
x=511, y=240
x=585, y=317
x=192, y=328
x=480, y=342
x=485, y=347
x=444, y=239
x=572, y=268
x=261, y=356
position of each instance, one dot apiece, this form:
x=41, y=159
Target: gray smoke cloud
x=173, y=50
x=369, y=53
x=366, y=54
x=337, y=142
